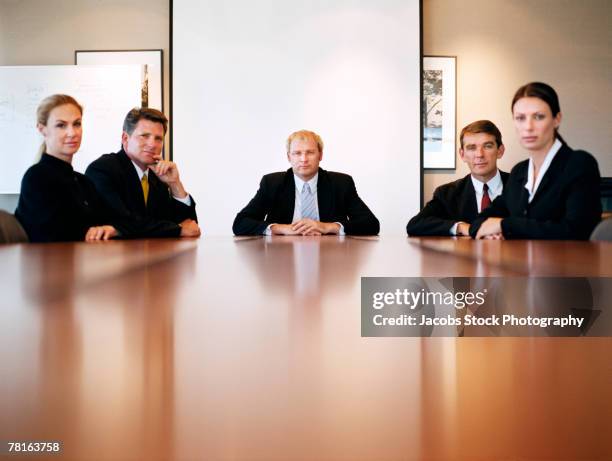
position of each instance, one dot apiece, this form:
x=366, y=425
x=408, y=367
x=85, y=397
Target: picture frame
x=439, y=116
x=152, y=62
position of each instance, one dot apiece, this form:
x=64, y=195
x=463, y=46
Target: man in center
x=306, y=199
x=456, y=204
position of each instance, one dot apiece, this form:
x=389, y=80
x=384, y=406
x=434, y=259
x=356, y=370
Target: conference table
x=250, y=348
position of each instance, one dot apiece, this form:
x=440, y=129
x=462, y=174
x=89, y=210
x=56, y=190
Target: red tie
x=486, y=200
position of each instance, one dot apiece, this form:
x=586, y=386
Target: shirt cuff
x=453, y=230
x=268, y=231
x=341, y=230
x=185, y=200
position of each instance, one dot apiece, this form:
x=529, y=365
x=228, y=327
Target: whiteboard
x=106, y=93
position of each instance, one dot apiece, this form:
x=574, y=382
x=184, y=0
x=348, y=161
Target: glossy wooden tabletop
x=240, y=349
x=530, y=257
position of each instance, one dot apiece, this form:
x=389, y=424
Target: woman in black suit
x=56, y=203
x=552, y=195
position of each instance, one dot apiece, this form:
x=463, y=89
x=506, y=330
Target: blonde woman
x=56, y=203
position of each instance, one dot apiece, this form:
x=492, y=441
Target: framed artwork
x=439, y=112
x=152, y=69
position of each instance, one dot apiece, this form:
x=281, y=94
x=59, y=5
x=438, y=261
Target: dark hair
x=482, y=126
x=541, y=91
x=143, y=113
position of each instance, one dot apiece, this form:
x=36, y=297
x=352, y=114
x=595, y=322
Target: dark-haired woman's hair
x=541, y=91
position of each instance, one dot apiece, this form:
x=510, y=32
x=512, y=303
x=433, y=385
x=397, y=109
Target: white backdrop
x=247, y=74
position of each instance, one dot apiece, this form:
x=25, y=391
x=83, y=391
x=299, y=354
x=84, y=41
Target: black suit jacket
x=566, y=205
x=336, y=196
x=117, y=182
x=451, y=203
x=58, y=204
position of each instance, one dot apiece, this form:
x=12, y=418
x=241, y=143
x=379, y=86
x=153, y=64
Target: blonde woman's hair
x=50, y=103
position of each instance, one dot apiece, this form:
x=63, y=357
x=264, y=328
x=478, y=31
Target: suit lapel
x=521, y=178
x=554, y=171
x=133, y=187
x=467, y=200
x=325, y=198
x=504, y=177
x=286, y=199
x=156, y=189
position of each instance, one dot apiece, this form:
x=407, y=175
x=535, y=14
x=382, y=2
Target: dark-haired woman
x=552, y=195
x=56, y=203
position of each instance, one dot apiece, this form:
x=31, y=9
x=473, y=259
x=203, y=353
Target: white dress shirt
x=496, y=187
x=529, y=185
x=297, y=209
x=299, y=186
x=185, y=200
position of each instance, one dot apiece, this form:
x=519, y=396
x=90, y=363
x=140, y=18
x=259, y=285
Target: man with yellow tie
x=142, y=187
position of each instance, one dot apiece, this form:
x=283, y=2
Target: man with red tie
x=456, y=204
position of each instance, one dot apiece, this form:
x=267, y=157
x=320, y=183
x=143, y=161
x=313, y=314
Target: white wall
x=247, y=74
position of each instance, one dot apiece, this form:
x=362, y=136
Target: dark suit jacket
x=566, y=205
x=58, y=204
x=336, y=196
x=451, y=203
x=117, y=182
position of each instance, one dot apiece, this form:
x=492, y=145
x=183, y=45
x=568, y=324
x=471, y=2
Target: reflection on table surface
x=530, y=257
x=250, y=349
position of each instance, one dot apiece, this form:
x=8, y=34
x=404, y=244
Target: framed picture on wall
x=439, y=112
x=152, y=69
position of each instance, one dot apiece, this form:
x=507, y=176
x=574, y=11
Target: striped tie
x=309, y=209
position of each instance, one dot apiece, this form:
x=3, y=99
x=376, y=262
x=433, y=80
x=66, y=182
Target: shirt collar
x=545, y=164
x=139, y=172
x=495, y=184
x=312, y=183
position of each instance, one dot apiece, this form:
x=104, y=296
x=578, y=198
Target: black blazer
x=566, y=205
x=58, y=204
x=336, y=196
x=451, y=203
x=117, y=182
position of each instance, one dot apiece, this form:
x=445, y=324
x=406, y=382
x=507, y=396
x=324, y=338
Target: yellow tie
x=144, y=182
